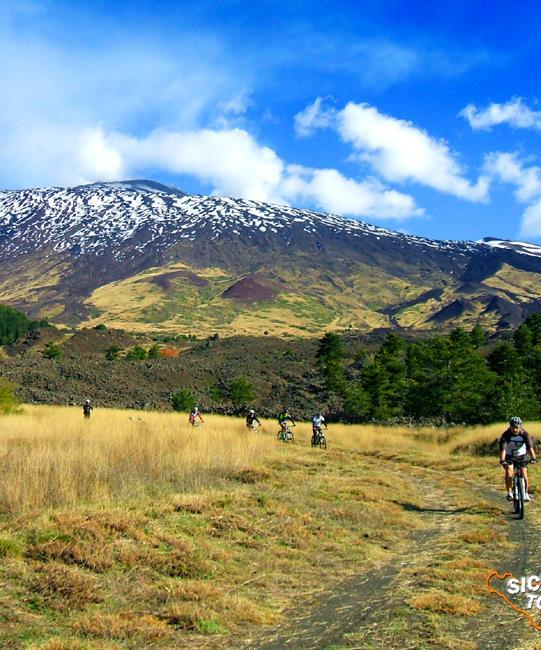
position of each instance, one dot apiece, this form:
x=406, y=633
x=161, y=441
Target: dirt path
x=357, y=605
x=523, y=559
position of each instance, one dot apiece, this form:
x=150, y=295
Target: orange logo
x=527, y=614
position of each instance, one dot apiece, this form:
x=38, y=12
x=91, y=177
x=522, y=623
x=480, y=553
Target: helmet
x=515, y=421
x=195, y=409
x=87, y=401
x=318, y=414
x=252, y=411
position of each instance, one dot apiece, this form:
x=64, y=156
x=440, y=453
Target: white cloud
x=333, y=192
x=507, y=168
x=395, y=149
x=531, y=221
x=514, y=112
x=234, y=164
x=231, y=161
x=313, y=117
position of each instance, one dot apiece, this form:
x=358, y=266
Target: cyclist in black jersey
x=515, y=442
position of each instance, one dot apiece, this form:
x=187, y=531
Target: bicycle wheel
x=516, y=497
x=521, y=493
x=323, y=442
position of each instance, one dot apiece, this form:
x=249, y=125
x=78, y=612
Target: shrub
x=184, y=400
x=52, y=351
x=8, y=401
x=137, y=353
x=113, y=352
x=241, y=391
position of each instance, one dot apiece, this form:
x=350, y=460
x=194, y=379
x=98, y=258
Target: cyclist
x=251, y=419
x=515, y=442
x=87, y=408
x=195, y=416
x=318, y=421
x=283, y=417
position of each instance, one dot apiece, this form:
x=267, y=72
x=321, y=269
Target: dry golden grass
x=134, y=529
x=442, y=602
x=50, y=457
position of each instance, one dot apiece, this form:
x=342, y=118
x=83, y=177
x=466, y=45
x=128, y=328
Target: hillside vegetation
x=134, y=530
x=460, y=377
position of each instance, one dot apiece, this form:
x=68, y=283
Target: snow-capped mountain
x=72, y=242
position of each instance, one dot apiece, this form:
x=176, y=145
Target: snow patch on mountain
x=124, y=218
x=524, y=248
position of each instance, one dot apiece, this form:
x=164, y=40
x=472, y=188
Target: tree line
x=460, y=377
x=14, y=324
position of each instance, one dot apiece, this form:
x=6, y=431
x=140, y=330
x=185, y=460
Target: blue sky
x=422, y=117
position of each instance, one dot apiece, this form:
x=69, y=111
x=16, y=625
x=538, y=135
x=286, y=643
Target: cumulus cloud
x=230, y=161
x=508, y=168
x=234, y=164
x=514, y=112
x=395, y=148
x=333, y=192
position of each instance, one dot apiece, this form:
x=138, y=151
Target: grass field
x=134, y=529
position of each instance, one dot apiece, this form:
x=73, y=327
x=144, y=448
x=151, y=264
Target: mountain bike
x=519, y=485
x=286, y=434
x=318, y=438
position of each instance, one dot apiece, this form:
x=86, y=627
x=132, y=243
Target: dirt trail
x=498, y=627
x=357, y=605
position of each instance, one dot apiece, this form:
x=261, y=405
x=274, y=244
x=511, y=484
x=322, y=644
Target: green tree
x=241, y=391
x=137, y=353
x=478, y=337
x=449, y=380
x=214, y=392
x=52, y=351
x=183, y=400
x=357, y=403
x=330, y=357
x=13, y=325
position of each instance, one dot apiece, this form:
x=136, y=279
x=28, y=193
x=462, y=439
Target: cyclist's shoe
x=527, y=497
x=509, y=495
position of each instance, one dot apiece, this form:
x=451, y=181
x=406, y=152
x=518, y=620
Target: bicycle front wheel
x=521, y=494
x=516, y=495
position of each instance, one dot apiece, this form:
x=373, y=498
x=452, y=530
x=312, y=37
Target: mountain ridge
x=68, y=247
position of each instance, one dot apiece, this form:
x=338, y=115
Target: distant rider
x=318, y=421
x=251, y=419
x=195, y=416
x=87, y=408
x=283, y=417
x=515, y=442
